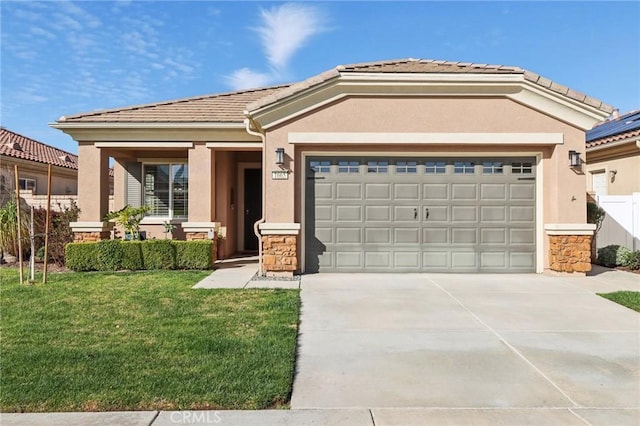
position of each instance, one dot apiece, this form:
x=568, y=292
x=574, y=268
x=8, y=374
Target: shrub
x=632, y=260
x=132, y=255
x=193, y=254
x=158, y=254
x=109, y=255
x=612, y=255
x=82, y=256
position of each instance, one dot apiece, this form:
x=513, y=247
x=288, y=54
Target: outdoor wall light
x=574, y=159
x=612, y=175
x=279, y=156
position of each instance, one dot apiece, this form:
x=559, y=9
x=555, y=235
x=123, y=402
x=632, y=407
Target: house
x=613, y=178
x=401, y=165
x=613, y=156
x=33, y=159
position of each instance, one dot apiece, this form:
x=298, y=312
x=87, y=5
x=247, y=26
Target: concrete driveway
x=483, y=343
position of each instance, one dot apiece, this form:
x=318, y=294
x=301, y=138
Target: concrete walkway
x=424, y=349
x=240, y=273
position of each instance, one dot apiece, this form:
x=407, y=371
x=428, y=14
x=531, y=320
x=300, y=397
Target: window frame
x=170, y=209
x=25, y=187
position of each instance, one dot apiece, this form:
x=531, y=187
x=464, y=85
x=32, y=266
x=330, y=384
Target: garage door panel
x=406, y=259
x=493, y=260
x=348, y=191
x=522, y=191
x=435, y=191
x=464, y=191
x=493, y=191
x=493, y=214
x=406, y=235
x=435, y=236
x=464, y=260
x=348, y=235
x=435, y=260
x=464, y=236
x=493, y=236
x=378, y=213
x=324, y=235
x=377, y=260
x=349, y=259
x=524, y=214
x=324, y=213
x=406, y=191
x=377, y=235
x=464, y=214
x=378, y=191
x=348, y=213
x=522, y=260
x=437, y=213
x=522, y=236
x=324, y=191
x=405, y=213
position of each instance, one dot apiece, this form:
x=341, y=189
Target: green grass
x=143, y=341
x=630, y=299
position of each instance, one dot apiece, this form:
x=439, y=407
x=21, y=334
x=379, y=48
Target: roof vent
x=65, y=158
x=14, y=145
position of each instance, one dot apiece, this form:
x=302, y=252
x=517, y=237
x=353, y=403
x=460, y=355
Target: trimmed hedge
x=612, y=255
x=113, y=255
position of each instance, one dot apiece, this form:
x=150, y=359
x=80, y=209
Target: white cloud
x=41, y=32
x=284, y=30
x=244, y=78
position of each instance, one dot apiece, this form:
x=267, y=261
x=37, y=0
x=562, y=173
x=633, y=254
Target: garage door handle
x=426, y=213
x=415, y=213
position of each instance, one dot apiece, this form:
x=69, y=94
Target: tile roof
x=217, y=108
x=429, y=66
x=230, y=107
x=16, y=145
x=617, y=129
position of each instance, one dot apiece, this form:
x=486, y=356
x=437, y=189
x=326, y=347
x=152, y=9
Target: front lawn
x=630, y=299
x=143, y=341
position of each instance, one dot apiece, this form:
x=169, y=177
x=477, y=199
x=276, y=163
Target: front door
x=252, y=206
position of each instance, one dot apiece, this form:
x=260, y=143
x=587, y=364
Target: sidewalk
x=331, y=417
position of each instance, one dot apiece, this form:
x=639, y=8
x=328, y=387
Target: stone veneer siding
x=85, y=237
x=279, y=253
x=570, y=253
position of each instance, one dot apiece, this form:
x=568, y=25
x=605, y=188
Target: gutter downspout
x=256, y=226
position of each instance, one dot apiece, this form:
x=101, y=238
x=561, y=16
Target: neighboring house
x=404, y=165
x=33, y=158
x=613, y=178
x=613, y=156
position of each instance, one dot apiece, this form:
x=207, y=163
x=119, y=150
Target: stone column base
x=279, y=249
x=570, y=247
x=84, y=232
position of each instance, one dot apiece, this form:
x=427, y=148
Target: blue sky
x=66, y=57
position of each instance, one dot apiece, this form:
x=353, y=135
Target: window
x=166, y=189
x=406, y=167
x=435, y=167
x=320, y=166
x=492, y=167
x=521, y=168
x=463, y=167
x=377, y=166
x=599, y=183
x=348, y=166
x=27, y=184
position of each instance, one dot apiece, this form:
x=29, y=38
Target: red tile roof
x=633, y=134
x=16, y=145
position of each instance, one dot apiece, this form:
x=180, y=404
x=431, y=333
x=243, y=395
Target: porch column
x=570, y=246
x=93, y=194
x=202, y=194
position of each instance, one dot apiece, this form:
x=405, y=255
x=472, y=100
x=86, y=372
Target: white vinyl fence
x=622, y=223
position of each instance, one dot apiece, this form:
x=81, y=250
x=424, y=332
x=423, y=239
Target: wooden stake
x=15, y=169
x=46, y=227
